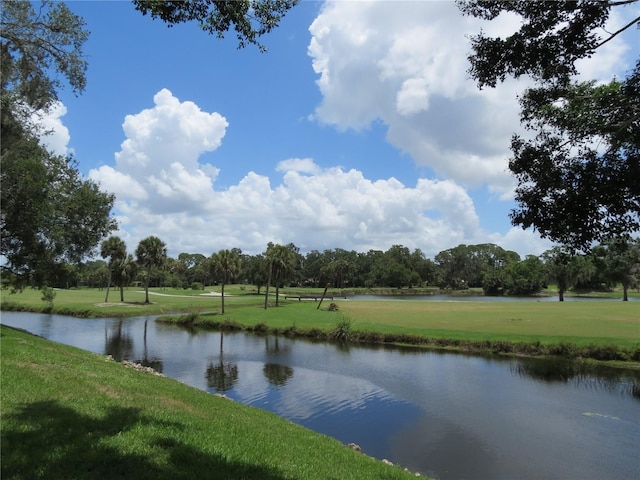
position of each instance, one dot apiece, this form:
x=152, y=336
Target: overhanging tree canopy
x=249, y=18
x=49, y=215
x=578, y=176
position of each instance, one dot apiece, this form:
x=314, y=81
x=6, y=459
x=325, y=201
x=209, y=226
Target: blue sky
x=358, y=129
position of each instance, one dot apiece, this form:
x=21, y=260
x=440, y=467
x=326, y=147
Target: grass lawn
x=580, y=322
x=67, y=413
x=612, y=324
x=89, y=302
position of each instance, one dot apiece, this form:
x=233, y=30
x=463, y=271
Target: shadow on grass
x=50, y=441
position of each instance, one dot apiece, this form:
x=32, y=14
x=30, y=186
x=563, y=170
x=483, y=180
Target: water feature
x=447, y=415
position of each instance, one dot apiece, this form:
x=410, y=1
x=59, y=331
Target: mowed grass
x=582, y=323
x=548, y=322
x=89, y=302
x=67, y=413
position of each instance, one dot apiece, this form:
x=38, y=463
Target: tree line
x=486, y=266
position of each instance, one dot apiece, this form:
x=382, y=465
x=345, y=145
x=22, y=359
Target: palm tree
x=225, y=265
x=124, y=273
x=151, y=253
x=116, y=250
x=282, y=263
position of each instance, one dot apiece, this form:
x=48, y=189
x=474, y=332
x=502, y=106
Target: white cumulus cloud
x=54, y=134
x=162, y=189
x=405, y=63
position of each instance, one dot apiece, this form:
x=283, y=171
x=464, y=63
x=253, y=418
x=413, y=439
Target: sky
x=359, y=129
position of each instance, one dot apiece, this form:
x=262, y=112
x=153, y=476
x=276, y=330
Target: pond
x=446, y=415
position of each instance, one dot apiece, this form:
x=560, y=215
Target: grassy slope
x=67, y=414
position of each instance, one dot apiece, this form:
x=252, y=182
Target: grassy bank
x=67, y=413
x=600, y=330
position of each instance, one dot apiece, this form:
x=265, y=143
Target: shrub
x=197, y=286
x=48, y=295
x=260, y=328
x=342, y=332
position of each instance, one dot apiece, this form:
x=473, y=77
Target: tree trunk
x=146, y=289
x=222, y=297
x=106, y=297
x=625, y=295
x=560, y=295
x=266, y=292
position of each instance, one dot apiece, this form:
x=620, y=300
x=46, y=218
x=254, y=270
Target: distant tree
x=313, y=263
x=250, y=18
x=194, y=268
x=115, y=250
x=565, y=268
x=577, y=174
x=282, y=262
x=424, y=267
x=124, y=273
x=150, y=255
x=256, y=270
x=225, y=266
x=526, y=277
x=94, y=273
x=622, y=264
x=48, y=295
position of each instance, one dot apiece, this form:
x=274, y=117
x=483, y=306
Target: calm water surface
x=450, y=416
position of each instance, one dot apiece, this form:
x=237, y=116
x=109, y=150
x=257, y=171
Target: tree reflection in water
x=118, y=343
x=152, y=362
x=580, y=372
x=277, y=375
x=222, y=375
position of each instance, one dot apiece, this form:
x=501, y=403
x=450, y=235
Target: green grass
x=67, y=414
x=89, y=302
x=597, y=329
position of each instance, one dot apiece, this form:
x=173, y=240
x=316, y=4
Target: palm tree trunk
x=106, y=297
x=222, y=297
x=146, y=289
x=266, y=292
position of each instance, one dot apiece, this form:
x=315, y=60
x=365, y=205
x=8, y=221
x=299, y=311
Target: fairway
x=581, y=323
x=612, y=322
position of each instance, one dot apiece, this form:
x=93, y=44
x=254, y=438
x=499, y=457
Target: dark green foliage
x=224, y=267
x=577, y=174
x=38, y=48
x=50, y=215
x=577, y=178
x=342, y=332
x=249, y=19
x=552, y=37
x=260, y=328
x=151, y=255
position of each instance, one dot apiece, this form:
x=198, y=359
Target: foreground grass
x=67, y=413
